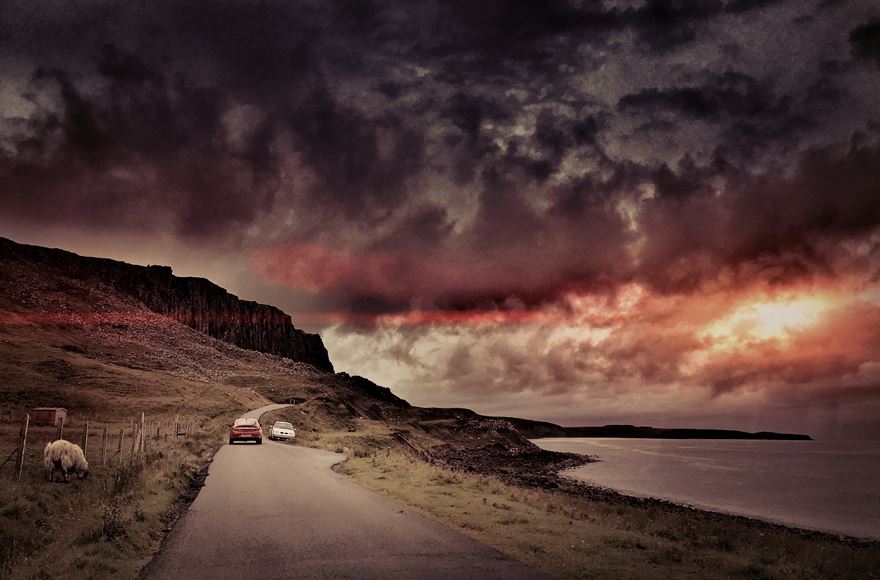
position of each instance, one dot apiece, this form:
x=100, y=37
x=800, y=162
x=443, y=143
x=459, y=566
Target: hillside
x=194, y=302
x=100, y=337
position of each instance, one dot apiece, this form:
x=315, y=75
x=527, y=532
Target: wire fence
x=103, y=442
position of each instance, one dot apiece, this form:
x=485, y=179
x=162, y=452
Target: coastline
x=635, y=498
x=513, y=496
x=790, y=484
x=546, y=470
x=571, y=530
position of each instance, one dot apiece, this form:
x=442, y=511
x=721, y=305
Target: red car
x=246, y=430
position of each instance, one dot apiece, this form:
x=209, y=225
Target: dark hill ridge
x=195, y=302
x=539, y=429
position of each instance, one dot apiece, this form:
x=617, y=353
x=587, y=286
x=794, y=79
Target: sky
x=658, y=212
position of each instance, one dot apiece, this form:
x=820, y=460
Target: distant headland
x=540, y=429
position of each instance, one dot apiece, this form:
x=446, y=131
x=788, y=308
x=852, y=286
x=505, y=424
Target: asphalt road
x=279, y=511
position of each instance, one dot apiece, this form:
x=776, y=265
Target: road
x=278, y=511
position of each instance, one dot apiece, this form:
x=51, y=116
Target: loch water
x=831, y=486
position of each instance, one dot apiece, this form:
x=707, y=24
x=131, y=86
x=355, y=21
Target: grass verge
x=108, y=525
x=574, y=537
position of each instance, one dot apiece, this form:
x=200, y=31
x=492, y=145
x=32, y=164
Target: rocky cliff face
x=195, y=302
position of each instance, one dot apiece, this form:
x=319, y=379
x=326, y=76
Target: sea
x=831, y=486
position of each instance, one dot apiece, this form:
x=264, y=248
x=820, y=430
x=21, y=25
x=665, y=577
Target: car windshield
x=245, y=422
x=281, y=425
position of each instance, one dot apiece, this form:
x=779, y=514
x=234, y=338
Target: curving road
x=278, y=511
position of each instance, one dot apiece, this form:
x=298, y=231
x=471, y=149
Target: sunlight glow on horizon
x=767, y=320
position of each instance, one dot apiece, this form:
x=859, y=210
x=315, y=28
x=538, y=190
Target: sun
x=775, y=320
x=767, y=320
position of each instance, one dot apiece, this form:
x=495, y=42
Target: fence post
x=143, y=432
x=134, y=444
x=85, y=441
x=176, y=424
x=104, y=446
x=60, y=433
x=121, y=439
x=21, y=446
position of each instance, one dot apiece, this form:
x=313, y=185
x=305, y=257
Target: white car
x=281, y=430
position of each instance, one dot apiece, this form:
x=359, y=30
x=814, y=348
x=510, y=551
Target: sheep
x=65, y=457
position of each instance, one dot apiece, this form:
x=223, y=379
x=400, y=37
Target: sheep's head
x=84, y=473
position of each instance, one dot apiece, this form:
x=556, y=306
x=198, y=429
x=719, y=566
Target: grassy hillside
x=107, y=359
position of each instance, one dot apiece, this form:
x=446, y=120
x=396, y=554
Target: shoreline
x=544, y=470
x=721, y=512
x=569, y=530
x=804, y=492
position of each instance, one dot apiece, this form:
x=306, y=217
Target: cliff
x=195, y=302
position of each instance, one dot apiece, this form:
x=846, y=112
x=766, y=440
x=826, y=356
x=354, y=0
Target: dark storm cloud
x=769, y=225
x=145, y=148
x=663, y=25
x=343, y=148
x=865, y=40
x=527, y=147
x=537, y=34
x=751, y=117
x=152, y=112
x=739, y=6
x=728, y=95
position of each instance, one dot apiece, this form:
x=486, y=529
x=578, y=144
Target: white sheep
x=65, y=457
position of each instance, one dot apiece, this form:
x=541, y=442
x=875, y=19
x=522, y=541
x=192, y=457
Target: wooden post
x=176, y=424
x=104, y=446
x=158, y=428
x=134, y=444
x=21, y=446
x=143, y=433
x=121, y=439
x=85, y=441
x=60, y=433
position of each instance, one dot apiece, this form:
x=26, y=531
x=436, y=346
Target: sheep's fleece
x=65, y=457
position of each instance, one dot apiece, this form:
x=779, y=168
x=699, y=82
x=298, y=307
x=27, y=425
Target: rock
x=195, y=302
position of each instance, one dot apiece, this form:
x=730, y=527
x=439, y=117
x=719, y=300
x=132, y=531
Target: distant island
x=541, y=429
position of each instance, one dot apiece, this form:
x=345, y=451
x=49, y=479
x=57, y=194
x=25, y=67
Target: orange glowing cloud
x=763, y=320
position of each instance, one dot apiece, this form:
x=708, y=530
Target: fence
x=103, y=442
